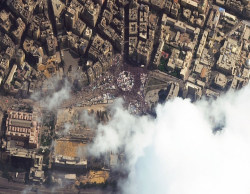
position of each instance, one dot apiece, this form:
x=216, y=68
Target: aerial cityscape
x=112, y=96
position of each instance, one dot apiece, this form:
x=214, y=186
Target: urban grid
x=64, y=62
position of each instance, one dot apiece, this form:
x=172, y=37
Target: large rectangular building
x=22, y=126
x=70, y=154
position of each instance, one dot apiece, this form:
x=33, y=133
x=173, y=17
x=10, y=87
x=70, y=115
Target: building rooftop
x=220, y=80
x=68, y=148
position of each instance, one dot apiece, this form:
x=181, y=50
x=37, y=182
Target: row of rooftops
x=22, y=74
x=15, y=148
x=229, y=55
x=20, y=115
x=25, y=11
x=22, y=125
x=179, y=25
x=65, y=160
x=142, y=26
x=112, y=24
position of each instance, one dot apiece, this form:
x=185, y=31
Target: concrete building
x=36, y=176
x=69, y=162
x=133, y=29
x=213, y=18
x=51, y=45
x=9, y=52
x=20, y=57
x=91, y=75
x=174, y=9
x=91, y=13
x=18, y=32
x=186, y=66
x=142, y=26
x=83, y=44
x=78, y=27
x=20, y=8
x=6, y=42
x=7, y=83
x=229, y=53
x=238, y=83
x=158, y=54
x=202, y=44
x=5, y=22
x=133, y=11
x=108, y=16
x=210, y=93
x=189, y=4
x=143, y=52
x=193, y=91
x=172, y=90
x=178, y=27
x=23, y=126
x=220, y=80
x=70, y=17
x=157, y=4
x=174, y=61
x=200, y=6
x=34, y=31
x=4, y=64
x=225, y=65
x=87, y=33
x=101, y=50
x=58, y=8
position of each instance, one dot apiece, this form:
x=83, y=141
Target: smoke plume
x=189, y=148
x=88, y=119
x=66, y=129
x=56, y=91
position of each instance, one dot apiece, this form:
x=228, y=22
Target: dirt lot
x=68, y=148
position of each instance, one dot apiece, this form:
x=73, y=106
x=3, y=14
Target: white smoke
x=88, y=119
x=57, y=92
x=178, y=152
x=66, y=128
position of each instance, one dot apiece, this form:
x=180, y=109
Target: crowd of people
x=125, y=81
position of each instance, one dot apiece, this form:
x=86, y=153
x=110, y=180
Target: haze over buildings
x=124, y=96
x=179, y=151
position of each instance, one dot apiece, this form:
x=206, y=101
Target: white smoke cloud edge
x=55, y=97
x=177, y=152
